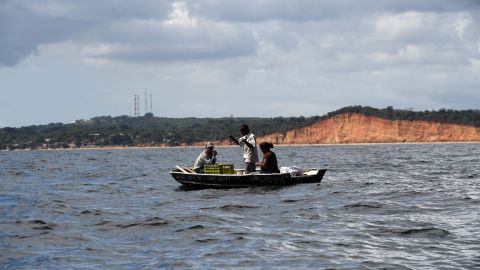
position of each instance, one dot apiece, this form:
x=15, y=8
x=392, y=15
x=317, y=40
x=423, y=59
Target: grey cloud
x=352, y=46
x=21, y=32
x=302, y=25
x=118, y=10
x=171, y=54
x=308, y=10
x=153, y=41
x=23, y=27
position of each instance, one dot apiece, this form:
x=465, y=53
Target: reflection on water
x=378, y=206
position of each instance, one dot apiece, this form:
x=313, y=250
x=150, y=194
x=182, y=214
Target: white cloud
x=463, y=21
x=475, y=65
x=179, y=16
x=405, y=25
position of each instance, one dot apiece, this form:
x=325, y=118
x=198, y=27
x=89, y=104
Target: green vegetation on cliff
x=146, y=130
x=464, y=117
x=150, y=130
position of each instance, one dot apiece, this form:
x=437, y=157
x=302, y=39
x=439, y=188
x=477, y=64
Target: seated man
x=207, y=157
x=269, y=163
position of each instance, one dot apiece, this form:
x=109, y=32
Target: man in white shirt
x=249, y=147
x=207, y=157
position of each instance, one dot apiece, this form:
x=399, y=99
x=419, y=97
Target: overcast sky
x=66, y=60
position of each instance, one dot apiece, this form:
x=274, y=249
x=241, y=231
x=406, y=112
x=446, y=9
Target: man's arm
x=213, y=159
x=234, y=140
x=265, y=161
x=248, y=144
x=200, y=161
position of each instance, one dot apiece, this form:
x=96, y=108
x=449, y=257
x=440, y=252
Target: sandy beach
x=233, y=146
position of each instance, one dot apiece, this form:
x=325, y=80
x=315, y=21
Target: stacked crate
x=219, y=169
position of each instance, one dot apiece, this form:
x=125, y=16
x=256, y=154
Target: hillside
x=354, y=124
x=141, y=131
x=360, y=128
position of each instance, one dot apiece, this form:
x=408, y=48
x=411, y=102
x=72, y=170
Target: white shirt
x=249, y=155
x=203, y=160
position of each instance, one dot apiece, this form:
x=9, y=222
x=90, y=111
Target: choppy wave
x=378, y=207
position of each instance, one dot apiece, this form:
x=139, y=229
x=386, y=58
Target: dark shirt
x=269, y=163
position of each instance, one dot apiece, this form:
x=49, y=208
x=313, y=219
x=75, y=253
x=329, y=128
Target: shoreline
x=232, y=146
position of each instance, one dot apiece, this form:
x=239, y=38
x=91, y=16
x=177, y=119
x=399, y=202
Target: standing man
x=207, y=157
x=249, y=147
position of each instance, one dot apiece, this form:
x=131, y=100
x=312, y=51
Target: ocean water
x=405, y=206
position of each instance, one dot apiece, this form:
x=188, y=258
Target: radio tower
x=136, y=106
x=151, y=110
x=146, y=102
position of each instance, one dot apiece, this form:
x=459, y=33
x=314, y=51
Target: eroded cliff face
x=359, y=128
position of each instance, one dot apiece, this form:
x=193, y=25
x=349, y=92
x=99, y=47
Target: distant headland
x=354, y=124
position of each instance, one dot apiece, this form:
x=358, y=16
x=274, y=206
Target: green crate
x=219, y=169
x=227, y=169
x=212, y=169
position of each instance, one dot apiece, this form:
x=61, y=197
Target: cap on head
x=209, y=145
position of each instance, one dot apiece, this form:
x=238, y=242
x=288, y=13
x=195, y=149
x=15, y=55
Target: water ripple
x=379, y=207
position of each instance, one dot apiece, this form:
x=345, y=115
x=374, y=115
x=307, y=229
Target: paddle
x=185, y=170
x=189, y=170
x=181, y=169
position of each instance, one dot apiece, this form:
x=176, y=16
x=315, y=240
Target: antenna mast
x=146, y=102
x=136, y=106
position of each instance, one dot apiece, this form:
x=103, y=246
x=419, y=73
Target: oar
x=181, y=169
x=189, y=170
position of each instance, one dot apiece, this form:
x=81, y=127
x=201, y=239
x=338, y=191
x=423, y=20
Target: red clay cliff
x=359, y=128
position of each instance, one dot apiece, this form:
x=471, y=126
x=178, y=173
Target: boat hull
x=195, y=180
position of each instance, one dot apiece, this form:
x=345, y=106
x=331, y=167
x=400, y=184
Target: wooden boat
x=191, y=179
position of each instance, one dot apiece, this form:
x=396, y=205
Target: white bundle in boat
x=292, y=170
